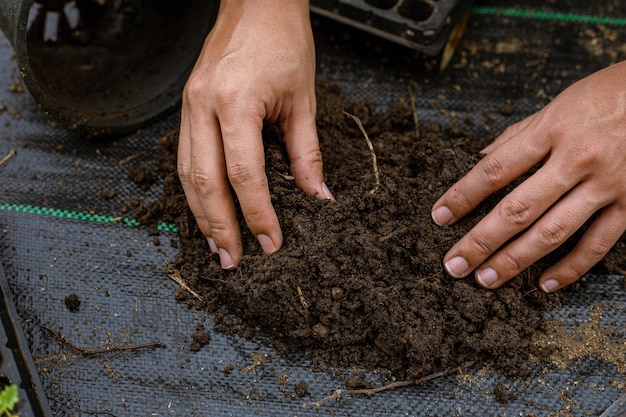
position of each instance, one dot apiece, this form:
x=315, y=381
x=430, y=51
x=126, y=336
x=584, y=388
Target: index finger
x=495, y=171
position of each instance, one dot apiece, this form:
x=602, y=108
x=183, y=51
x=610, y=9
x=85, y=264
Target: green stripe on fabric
x=78, y=215
x=543, y=15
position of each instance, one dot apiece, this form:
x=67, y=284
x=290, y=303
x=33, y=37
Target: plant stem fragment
x=174, y=274
x=8, y=156
x=414, y=111
x=371, y=147
x=89, y=352
x=337, y=394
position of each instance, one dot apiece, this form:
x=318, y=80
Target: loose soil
x=360, y=281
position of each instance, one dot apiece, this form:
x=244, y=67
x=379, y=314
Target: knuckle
x=517, y=212
x=479, y=243
x=570, y=274
x=596, y=249
x=184, y=171
x=203, y=183
x=552, y=234
x=493, y=171
x=462, y=200
x=512, y=263
x=227, y=98
x=255, y=215
x=510, y=130
x=585, y=158
x=242, y=176
x=195, y=90
x=199, y=92
x=314, y=156
x=220, y=231
x=203, y=224
x=311, y=160
x=555, y=123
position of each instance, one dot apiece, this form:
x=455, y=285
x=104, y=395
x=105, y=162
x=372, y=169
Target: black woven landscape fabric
x=60, y=236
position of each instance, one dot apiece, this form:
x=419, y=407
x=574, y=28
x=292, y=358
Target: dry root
x=338, y=394
x=369, y=144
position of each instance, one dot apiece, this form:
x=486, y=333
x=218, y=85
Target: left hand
x=257, y=64
x=580, y=141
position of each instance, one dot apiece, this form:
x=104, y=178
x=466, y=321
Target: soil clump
x=361, y=281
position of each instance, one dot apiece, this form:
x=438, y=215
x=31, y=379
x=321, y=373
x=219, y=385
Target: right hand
x=578, y=143
x=258, y=63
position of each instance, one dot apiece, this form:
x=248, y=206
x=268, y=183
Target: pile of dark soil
x=360, y=281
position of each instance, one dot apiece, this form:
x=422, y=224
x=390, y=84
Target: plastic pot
x=106, y=66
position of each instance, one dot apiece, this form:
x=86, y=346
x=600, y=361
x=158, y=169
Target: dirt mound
x=360, y=281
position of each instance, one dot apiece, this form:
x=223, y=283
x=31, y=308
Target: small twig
x=530, y=292
x=88, y=351
x=8, y=156
x=369, y=144
x=223, y=281
x=98, y=413
x=175, y=275
x=337, y=394
x=130, y=158
x=392, y=234
x=303, y=300
x=414, y=108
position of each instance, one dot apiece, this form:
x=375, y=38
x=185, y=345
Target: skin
x=579, y=142
x=257, y=64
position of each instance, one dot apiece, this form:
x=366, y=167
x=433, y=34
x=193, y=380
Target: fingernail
x=226, y=260
x=442, y=215
x=487, y=277
x=212, y=245
x=327, y=194
x=266, y=243
x=457, y=267
x=550, y=285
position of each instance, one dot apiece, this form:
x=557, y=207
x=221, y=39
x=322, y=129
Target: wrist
x=265, y=6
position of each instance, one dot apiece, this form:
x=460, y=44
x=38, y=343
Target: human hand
x=580, y=141
x=258, y=63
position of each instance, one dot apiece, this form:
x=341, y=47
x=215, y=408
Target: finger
x=245, y=162
x=557, y=225
x=513, y=214
x=210, y=184
x=496, y=170
x=304, y=152
x=184, y=174
x=595, y=243
x=507, y=134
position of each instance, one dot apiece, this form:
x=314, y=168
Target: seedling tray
x=424, y=25
x=16, y=364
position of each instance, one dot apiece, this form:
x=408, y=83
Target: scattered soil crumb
x=107, y=194
x=199, y=338
x=72, y=302
x=301, y=388
x=142, y=174
x=257, y=360
x=566, y=344
x=502, y=394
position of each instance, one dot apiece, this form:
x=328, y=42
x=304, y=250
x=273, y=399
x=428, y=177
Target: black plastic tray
x=424, y=25
x=16, y=362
